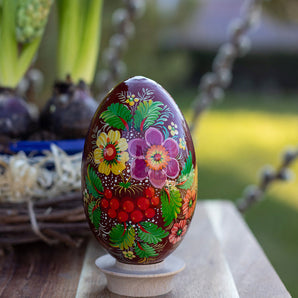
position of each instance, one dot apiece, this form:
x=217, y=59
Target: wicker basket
x=40, y=196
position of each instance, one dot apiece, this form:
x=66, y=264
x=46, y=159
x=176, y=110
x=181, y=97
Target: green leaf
x=146, y=114
x=151, y=233
x=70, y=18
x=9, y=46
x=117, y=116
x=125, y=185
x=89, y=41
x=188, y=167
x=122, y=236
x=143, y=250
x=185, y=180
x=27, y=55
x=79, y=38
x=94, y=214
x=93, y=183
x=171, y=203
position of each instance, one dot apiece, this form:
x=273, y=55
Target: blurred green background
x=237, y=137
x=234, y=140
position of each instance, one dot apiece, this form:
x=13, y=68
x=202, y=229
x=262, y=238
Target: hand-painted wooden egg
x=139, y=176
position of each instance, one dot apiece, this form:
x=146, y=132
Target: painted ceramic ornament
x=139, y=175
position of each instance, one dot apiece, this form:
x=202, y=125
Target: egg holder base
x=140, y=280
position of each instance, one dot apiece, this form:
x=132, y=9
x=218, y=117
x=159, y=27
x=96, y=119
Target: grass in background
x=233, y=141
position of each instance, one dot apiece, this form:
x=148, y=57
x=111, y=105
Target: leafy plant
x=117, y=116
x=151, y=233
x=78, y=47
x=21, y=27
x=94, y=214
x=93, y=183
x=171, y=203
x=122, y=236
x=185, y=180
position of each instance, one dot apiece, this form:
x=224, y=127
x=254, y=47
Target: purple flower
x=154, y=157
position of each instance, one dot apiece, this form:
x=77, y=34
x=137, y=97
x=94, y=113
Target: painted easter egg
x=139, y=175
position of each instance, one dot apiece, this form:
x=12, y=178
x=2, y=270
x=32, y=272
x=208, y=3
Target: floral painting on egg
x=139, y=173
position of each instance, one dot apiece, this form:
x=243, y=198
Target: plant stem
x=79, y=36
x=68, y=43
x=8, y=54
x=86, y=64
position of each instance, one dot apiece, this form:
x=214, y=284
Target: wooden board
x=253, y=274
x=223, y=259
x=37, y=270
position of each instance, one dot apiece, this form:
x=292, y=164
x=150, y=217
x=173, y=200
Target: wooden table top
x=223, y=259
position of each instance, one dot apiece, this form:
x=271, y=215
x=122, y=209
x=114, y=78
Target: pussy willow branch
x=123, y=19
x=255, y=193
x=213, y=84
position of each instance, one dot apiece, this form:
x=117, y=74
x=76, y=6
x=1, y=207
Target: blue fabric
x=36, y=147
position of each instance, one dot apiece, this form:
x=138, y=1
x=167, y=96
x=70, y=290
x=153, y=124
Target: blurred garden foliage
x=235, y=138
x=233, y=141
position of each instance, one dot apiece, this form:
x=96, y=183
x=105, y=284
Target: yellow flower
x=128, y=254
x=173, y=129
x=131, y=99
x=182, y=143
x=111, y=154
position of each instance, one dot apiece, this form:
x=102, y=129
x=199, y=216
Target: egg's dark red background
x=135, y=85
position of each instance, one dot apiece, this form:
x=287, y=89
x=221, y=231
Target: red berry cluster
x=127, y=208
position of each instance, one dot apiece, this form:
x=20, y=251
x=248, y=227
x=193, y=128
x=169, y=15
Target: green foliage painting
x=171, y=203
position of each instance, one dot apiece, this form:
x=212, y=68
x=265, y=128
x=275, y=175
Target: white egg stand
x=140, y=280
